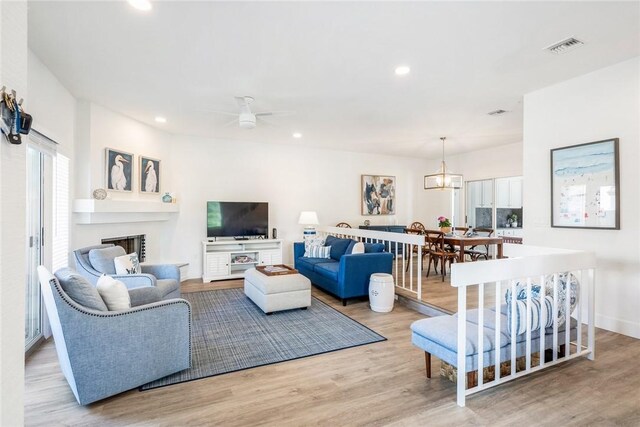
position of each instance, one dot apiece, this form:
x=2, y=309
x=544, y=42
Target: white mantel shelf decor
x=91, y=211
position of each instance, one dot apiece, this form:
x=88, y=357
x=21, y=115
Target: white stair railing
x=527, y=265
x=399, y=244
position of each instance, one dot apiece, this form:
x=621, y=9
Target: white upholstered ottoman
x=277, y=293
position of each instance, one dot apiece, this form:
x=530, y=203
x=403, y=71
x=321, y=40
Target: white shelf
x=91, y=211
x=218, y=257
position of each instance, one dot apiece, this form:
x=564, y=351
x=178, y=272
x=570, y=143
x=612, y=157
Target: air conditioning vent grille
x=496, y=112
x=564, y=45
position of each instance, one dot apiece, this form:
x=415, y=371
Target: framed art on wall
x=119, y=170
x=149, y=175
x=585, y=190
x=378, y=196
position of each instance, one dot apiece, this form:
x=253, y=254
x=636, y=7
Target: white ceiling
x=332, y=63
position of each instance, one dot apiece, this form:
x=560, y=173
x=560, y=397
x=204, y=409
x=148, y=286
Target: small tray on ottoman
x=276, y=270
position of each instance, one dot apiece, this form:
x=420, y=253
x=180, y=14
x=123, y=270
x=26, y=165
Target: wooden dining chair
x=416, y=225
x=438, y=252
x=477, y=251
x=343, y=225
x=416, y=231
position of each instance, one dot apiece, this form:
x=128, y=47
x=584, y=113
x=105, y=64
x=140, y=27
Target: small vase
x=514, y=224
x=167, y=198
x=445, y=230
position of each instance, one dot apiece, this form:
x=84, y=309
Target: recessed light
x=161, y=119
x=144, y=5
x=297, y=135
x=402, y=70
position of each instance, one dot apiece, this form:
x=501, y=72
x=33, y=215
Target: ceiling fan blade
x=269, y=122
x=226, y=113
x=275, y=113
x=232, y=122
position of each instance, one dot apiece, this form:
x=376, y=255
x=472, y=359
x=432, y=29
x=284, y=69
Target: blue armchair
x=344, y=274
x=102, y=353
x=166, y=277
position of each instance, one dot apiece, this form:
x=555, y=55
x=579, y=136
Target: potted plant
x=444, y=224
x=513, y=219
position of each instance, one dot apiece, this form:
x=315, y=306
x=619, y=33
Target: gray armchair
x=103, y=353
x=166, y=277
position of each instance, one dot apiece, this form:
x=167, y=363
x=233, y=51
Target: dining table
x=463, y=242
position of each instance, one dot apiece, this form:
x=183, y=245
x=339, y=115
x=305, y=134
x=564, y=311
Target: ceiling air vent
x=564, y=45
x=496, y=112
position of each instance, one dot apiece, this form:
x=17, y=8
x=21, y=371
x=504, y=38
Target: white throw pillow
x=114, y=293
x=358, y=248
x=127, y=264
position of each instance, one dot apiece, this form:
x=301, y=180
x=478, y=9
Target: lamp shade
x=308, y=218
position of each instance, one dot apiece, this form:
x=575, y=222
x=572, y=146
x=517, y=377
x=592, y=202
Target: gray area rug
x=230, y=333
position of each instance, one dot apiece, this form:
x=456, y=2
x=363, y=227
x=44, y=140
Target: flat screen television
x=237, y=219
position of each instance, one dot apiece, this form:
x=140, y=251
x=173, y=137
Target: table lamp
x=308, y=219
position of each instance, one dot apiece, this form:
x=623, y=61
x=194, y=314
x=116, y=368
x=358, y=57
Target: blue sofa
x=344, y=274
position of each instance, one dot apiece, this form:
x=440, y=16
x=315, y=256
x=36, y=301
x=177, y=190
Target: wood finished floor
x=378, y=384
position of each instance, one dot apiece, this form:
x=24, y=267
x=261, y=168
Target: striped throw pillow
x=318, y=252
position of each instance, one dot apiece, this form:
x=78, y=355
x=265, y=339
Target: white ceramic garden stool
x=381, y=292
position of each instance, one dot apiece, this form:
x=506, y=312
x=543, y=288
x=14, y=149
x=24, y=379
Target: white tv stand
x=229, y=259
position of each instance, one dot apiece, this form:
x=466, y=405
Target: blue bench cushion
x=338, y=246
x=328, y=270
x=439, y=337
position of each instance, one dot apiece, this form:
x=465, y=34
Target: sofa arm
x=132, y=281
x=298, y=250
x=163, y=271
x=356, y=269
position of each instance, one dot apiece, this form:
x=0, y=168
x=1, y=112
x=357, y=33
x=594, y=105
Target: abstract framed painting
x=149, y=175
x=119, y=170
x=378, y=195
x=585, y=190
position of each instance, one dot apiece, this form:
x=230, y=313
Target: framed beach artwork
x=119, y=170
x=378, y=195
x=585, y=190
x=149, y=175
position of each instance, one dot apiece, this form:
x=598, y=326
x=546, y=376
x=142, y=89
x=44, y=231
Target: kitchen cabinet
x=509, y=192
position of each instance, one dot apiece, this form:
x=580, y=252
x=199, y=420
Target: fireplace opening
x=130, y=244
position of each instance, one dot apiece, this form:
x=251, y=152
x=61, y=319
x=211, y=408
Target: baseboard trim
x=624, y=327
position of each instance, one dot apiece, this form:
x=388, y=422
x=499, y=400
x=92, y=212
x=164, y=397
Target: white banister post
x=591, y=309
x=462, y=344
x=419, y=273
x=481, y=334
x=497, y=346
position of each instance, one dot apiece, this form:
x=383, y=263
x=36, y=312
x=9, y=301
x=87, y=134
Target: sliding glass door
x=38, y=201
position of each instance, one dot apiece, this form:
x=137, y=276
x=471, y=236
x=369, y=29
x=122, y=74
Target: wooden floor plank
x=379, y=384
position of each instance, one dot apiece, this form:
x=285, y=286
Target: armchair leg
x=344, y=302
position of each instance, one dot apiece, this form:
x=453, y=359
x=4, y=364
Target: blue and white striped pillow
x=535, y=317
x=318, y=252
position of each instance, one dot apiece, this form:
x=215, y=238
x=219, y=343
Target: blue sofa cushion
x=338, y=246
x=328, y=270
x=310, y=263
x=373, y=248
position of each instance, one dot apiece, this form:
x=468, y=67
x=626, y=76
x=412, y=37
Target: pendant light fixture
x=442, y=180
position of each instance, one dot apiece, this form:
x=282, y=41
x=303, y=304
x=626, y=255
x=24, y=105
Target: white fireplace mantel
x=91, y=211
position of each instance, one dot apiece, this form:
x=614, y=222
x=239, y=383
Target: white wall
x=600, y=105
x=13, y=74
x=52, y=106
x=289, y=179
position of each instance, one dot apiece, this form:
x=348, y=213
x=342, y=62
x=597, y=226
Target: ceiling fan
x=247, y=119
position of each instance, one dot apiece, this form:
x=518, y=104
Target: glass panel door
x=33, y=318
